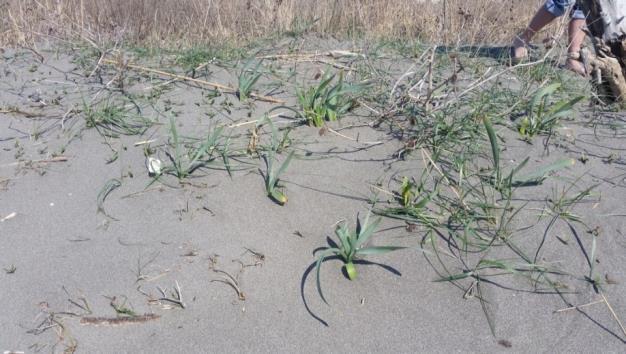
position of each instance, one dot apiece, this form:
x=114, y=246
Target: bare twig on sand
x=197, y=81
x=613, y=313
x=604, y=301
x=425, y=156
x=176, y=298
x=118, y=321
x=145, y=142
x=31, y=162
x=8, y=217
x=353, y=139
x=255, y=121
x=579, y=306
x=232, y=281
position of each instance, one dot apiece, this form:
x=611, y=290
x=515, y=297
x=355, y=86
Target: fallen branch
x=118, y=321
x=331, y=53
x=215, y=85
x=30, y=162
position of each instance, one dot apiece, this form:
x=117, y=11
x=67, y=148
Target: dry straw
x=199, y=21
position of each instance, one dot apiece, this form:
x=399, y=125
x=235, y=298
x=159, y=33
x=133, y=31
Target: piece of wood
x=606, y=22
x=215, y=85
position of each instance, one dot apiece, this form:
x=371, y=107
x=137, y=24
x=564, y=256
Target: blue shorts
x=560, y=7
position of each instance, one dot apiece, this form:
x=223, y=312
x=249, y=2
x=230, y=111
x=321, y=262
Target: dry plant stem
x=431, y=63
x=579, y=306
x=410, y=72
x=187, y=22
x=479, y=83
x=613, y=313
x=118, y=321
x=52, y=160
x=178, y=299
x=425, y=156
x=353, y=139
x=256, y=121
x=331, y=53
x=169, y=82
x=197, y=81
x=145, y=142
x=232, y=281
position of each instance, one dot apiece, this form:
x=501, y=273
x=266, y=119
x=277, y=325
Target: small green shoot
x=413, y=202
x=352, y=245
x=248, y=77
x=120, y=308
x=272, y=175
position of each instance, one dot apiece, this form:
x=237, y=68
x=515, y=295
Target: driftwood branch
x=214, y=85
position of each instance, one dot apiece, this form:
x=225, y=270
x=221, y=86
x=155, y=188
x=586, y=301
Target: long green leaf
x=495, y=149
x=538, y=176
x=367, y=231
x=369, y=251
x=455, y=277
x=318, y=265
x=109, y=187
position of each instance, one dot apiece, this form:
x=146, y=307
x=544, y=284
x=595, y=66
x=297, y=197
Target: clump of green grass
x=413, y=200
x=506, y=184
x=113, y=120
x=187, y=157
x=329, y=100
x=248, y=77
x=352, y=246
x=542, y=116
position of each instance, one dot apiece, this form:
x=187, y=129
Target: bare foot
x=519, y=50
x=576, y=66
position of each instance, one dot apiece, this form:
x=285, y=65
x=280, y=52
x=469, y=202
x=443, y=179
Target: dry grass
x=187, y=22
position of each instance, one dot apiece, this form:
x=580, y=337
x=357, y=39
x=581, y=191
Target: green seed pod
x=351, y=270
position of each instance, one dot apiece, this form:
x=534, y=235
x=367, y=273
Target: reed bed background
x=192, y=22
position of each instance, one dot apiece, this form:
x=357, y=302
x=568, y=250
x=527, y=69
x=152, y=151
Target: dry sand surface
x=66, y=264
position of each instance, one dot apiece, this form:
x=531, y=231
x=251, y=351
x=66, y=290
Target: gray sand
x=63, y=249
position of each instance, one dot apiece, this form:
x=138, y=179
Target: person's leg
x=576, y=39
x=542, y=18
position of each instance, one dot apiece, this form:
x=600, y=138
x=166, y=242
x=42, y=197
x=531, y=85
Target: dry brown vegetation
x=186, y=22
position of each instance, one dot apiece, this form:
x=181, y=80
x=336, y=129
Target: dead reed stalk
x=190, y=22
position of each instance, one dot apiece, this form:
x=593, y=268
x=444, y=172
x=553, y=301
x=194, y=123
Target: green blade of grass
x=370, y=251
x=108, y=187
x=318, y=265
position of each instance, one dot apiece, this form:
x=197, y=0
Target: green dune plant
x=352, y=245
x=542, y=116
x=113, y=120
x=187, y=158
x=272, y=174
x=327, y=101
x=247, y=78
